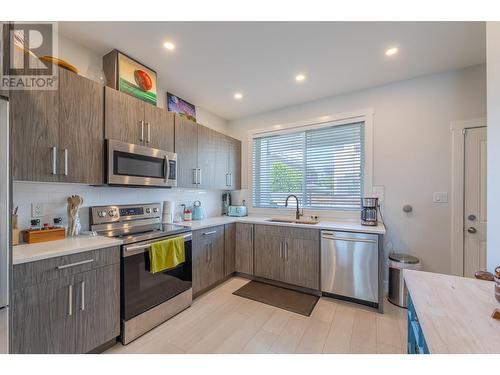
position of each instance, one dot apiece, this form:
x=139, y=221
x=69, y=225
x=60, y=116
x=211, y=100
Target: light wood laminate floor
x=220, y=322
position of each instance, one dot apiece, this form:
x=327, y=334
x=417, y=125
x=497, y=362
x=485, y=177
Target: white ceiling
x=213, y=60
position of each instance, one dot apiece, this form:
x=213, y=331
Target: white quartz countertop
x=347, y=226
x=71, y=245
x=455, y=312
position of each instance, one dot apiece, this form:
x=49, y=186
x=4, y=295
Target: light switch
x=440, y=197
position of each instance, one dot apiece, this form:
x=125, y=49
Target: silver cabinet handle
x=142, y=130
x=227, y=174
x=65, y=161
x=195, y=176
x=70, y=300
x=281, y=249
x=230, y=179
x=211, y=251
x=199, y=179
x=209, y=233
x=349, y=239
x=286, y=250
x=251, y=233
x=54, y=160
x=82, y=302
x=75, y=264
x=149, y=132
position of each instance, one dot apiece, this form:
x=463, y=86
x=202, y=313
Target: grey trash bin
x=398, y=294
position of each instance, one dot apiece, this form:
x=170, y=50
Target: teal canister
x=197, y=211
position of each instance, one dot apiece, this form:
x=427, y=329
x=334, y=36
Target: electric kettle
x=197, y=211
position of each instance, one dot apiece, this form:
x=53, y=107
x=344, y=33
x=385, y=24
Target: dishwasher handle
x=347, y=239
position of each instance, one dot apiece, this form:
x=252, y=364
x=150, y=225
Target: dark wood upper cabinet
x=207, y=158
x=123, y=117
x=34, y=119
x=159, y=128
x=186, y=147
x=234, y=163
x=81, y=129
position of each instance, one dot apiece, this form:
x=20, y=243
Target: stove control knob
x=111, y=213
x=101, y=213
x=155, y=209
x=148, y=210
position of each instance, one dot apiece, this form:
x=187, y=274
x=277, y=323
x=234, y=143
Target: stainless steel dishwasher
x=350, y=266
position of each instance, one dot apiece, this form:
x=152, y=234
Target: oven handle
x=146, y=246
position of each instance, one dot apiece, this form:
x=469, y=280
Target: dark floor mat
x=291, y=300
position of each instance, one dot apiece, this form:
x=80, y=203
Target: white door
x=475, y=201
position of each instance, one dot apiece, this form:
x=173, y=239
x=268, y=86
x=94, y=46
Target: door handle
x=65, y=161
x=471, y=230
x=82, y=302
x=142, y=130
x=70, y=300
x=149, y=132
x=54, y=160
x=195, y=176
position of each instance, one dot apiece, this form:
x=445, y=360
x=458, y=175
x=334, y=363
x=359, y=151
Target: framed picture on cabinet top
x=125, y=74
x=180, y=106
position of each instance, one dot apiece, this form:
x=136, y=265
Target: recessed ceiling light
x=238, y=95
x=300, y=77
x=391, y=51
x=169, y=45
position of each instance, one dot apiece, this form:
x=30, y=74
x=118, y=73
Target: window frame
x=365, y=116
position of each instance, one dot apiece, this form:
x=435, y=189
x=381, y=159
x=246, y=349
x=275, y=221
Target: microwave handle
x=166, y=168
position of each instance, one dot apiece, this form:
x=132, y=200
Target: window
x=322, y=167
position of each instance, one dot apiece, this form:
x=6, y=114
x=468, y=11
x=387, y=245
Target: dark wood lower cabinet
x=289, y=255
x=244, y=249
x=229, y=248
x=75, y=312
x=208, y=257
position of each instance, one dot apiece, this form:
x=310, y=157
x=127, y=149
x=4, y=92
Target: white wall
x=411, y=151
x=493, y=83
x=89, y=62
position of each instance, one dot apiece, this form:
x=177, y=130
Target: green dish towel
x=166, y=254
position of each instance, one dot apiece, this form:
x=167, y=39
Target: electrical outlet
x=36, y=209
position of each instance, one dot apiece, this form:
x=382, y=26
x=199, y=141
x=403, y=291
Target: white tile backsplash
x=53, y=197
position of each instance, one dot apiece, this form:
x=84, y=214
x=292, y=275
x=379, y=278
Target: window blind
x=322, y=167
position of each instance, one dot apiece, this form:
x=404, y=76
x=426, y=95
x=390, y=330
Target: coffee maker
x=226, y=202
x=369, y=211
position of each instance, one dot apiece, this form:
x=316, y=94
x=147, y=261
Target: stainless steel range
x=147, y=299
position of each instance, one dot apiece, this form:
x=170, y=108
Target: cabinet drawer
x=286, y=232
x=32, y=273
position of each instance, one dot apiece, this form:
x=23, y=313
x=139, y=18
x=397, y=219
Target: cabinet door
x=42, y=318
x=81, y=129
x=229, y=248
x=159, y=125
x=244, y=248
x=208, y=144
x=123, y=117
x=97, y=305
x=302, y=262
x=34, y=135
x=200, y=261
x=215, y=243
x=234, y=164
x=269, y=262
x=186, y=147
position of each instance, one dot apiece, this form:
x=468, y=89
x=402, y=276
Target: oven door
x=142, y=290
x=129, y=164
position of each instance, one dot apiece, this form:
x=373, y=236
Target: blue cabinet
x=416, y=340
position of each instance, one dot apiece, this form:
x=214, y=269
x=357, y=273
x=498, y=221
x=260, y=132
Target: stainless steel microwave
x=134, y=165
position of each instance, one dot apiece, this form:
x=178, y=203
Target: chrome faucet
x=297, y=213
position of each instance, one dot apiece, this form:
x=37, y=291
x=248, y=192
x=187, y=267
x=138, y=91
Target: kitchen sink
x=292, y=221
